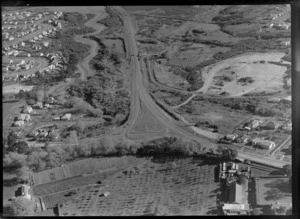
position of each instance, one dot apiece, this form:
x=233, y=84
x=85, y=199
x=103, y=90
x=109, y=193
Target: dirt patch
x=266, y=76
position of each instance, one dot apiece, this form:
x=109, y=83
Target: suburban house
x=66, y=116
x=266, y=144
x=231, y=137
x=38, y=105
x=23, y=117
x=28, y=109
x=287, y=99
x=19, y=123
x=255, y=141
x=287, y=126
x=54, y=135
x=25, y=191
x=56, y=118
x=243, y=139
x=43, y=133
x=252, y=125
x=274, y=100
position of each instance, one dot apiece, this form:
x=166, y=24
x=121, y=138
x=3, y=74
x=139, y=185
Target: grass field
x=160, y=187
x=202, y=111
x=6, y=108
x=271, y=190
x=79, y=168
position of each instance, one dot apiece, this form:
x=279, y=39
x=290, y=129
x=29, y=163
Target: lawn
x=271, y=190
x=158, y=187
x=7, y=107
x=202, y=111
x=15, y=88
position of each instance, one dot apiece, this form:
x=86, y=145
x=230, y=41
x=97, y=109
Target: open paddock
x=159, y=187
x=81, y=167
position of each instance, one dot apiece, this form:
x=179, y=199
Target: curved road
x=83, y=66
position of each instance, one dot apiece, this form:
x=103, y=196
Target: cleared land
x=267, y=77
x=160, y=187
x=15, y=88
x=270, y=190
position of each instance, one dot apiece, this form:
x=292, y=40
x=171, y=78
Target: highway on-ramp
x=140, y=95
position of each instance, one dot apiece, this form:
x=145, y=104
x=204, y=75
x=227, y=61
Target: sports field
x=271, y=190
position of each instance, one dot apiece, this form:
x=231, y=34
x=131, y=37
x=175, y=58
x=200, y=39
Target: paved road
x=139, y=94
x=41, y=63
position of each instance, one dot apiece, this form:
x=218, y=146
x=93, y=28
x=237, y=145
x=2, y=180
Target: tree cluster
x=112, y=20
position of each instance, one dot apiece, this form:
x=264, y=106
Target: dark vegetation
x=228, y=16
x=191, y=74
x=112, y=20
x=63, y=41
x=246, y=80
x=256, y=106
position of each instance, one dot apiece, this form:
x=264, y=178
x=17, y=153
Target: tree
x=40, y=94
x=256, y=211
x=14, y=160
x=80, y=124
x=24, y=174
x=21, y=94
x=21, y=147
x=229, y=154
x=121, y=148
x=23, y=206
x=11, y=139
x=281, y=210
x=287, y=169
x=242, y=180
x=31, y=101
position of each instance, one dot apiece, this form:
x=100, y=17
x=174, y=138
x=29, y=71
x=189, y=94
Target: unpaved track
x=210, y=71
x=83, y=66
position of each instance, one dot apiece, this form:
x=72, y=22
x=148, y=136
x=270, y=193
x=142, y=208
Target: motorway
x=140, y=95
